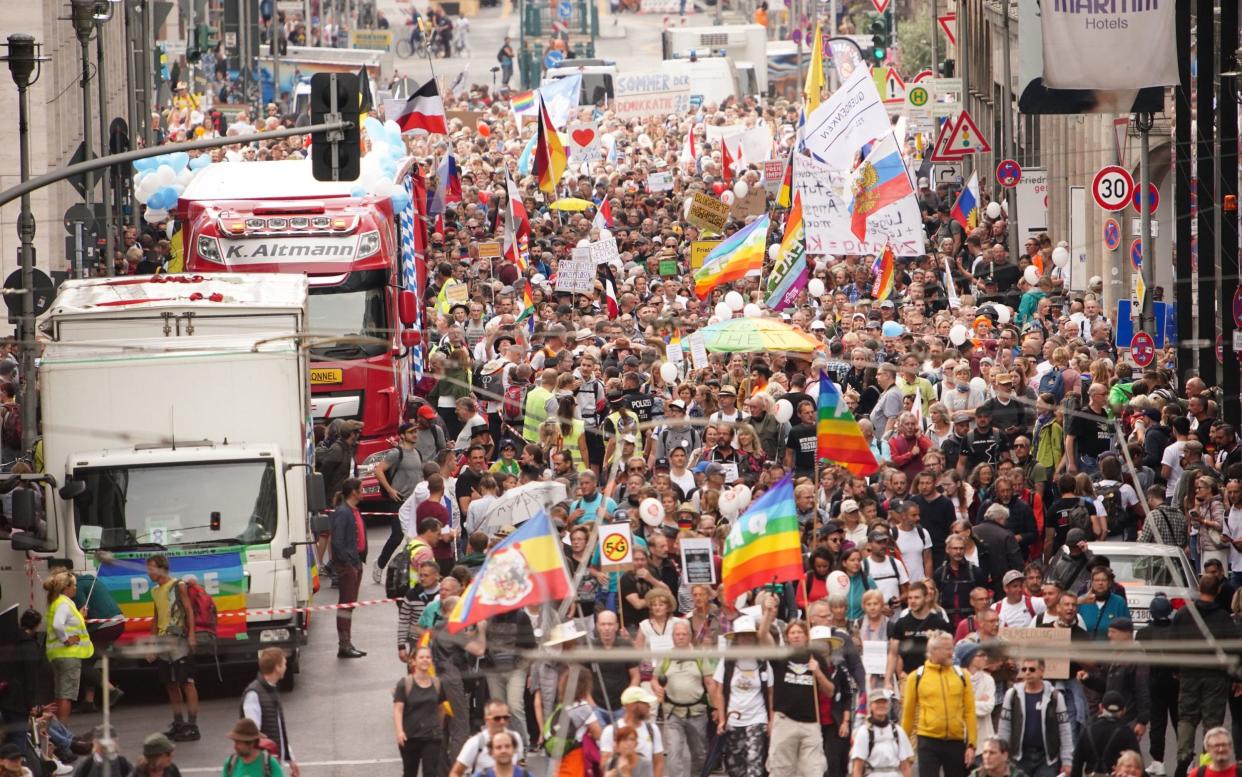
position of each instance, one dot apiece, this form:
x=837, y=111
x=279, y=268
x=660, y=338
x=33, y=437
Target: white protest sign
x=697, y=562
x=659, y=182
x=853, y=116
x=616, y=547
x=875, y=656
x=640, y=95
x=604, y=251
x=826, y=216
x=751, y=145
x=584, y=144
x=698, y=351
x=578, y=274
x=1033, y=201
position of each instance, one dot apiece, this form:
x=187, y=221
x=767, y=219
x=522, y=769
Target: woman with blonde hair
x=939, y=426
x=68, y=642
x=655, y=632
x=750, y=453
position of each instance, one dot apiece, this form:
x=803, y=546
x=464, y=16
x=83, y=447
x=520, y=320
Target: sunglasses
x=501, y=717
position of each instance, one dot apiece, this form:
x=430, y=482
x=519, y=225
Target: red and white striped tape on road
x=247, y=613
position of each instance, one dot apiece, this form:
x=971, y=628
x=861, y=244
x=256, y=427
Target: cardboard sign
x=605, y=251
x=469, y=119
x=707, y=212
x=659, y=182
x=458, y=293
x=1054, y=668
x=380, y=40
x=699, y=249
x=489, y=250
x=697, y=564
x=755, y=203
x=578, y=274
x=616, y=547
x=584, y=145
x=698, y=351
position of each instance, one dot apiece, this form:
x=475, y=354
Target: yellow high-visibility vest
x=75, y=628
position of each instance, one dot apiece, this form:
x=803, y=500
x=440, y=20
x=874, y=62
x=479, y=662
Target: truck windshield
x=175, y=504
x=359, y=308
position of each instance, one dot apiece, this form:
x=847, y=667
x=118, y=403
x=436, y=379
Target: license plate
x=326, y=376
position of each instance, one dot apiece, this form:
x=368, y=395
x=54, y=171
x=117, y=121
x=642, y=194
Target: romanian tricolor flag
x=879, y=180
x=736, y=256
x=550, y=157
x=525, y=568
x=763, y=546
x=885, y=270
x=839, y=438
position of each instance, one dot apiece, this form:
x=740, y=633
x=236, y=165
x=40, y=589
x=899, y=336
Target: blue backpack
x=1053, y=383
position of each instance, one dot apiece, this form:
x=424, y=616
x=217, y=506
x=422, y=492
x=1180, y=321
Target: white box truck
x=744, y=45
x=176, y=420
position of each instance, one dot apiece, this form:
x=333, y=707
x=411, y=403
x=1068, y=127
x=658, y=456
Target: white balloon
x=712, y=320
x=783, y=411
x=994, y=210
x=752, y=310
x=668, y=371
x=155, y=216
x=838, y=582
x=1003, y=314
x=743, y=494
x=1005, y=206
x=1031, y=275
x=958, y=334
x=774, y=251
x=651, y=511
x=735, y=301
x=978, y=384
x=815, y=287
x=723, y=311
x=185, y=176
x=164, y=175
x=729, y=504
x=169, y=228
x=1060, y=256
x=727, y=198
x=741, y=189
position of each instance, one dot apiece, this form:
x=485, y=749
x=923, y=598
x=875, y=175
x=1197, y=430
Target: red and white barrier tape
x=247, y=613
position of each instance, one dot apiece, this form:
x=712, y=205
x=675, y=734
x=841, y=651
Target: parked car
x=1147, y=568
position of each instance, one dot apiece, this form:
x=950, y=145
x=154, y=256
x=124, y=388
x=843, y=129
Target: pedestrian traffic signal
x=947, y=68
x=335, y=155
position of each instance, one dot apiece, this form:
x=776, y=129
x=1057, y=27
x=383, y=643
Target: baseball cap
x=1011, y=576
x=728, y=390
x=637, y=695
x=1113, y=702
x=677, y=403
x=426, y=411
x=1075, y=536
x=962, y=417
x=1004, y=379
x=743, y=624
x=849, y=506
x=817, y=324
x=888, y=303
x=714, y=470
x=829, y=528
x=880, y=694
x=1122, y=624
x=405, y=427
x=661, y=463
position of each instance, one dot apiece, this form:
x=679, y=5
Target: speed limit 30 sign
x=1112, y=187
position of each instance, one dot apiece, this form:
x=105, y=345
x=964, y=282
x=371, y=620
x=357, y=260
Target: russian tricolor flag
x=966, y=209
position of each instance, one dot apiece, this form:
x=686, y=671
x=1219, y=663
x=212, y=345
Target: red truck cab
x=364, y=283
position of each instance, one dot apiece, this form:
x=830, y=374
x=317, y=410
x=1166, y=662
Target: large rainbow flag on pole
x=763, y=547
x=839, y=438
x=885, y=269
x=526, y=568
x=737, y=255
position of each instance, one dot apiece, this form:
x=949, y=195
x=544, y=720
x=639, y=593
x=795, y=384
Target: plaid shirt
x=1167, y=526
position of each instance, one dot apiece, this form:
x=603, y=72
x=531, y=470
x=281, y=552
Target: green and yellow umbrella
x=751, y=335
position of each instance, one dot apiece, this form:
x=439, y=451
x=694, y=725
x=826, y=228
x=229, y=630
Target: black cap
x=10, y=752
x=830, y=527
x=1122, y=624
x=1113, y=702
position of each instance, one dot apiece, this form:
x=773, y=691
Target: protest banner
x=1054, y=668
x=578, y=274
x=707, y=212
x=640, y=95
x=616, y=545
x=699, y=249
x=826, y=216
x=584, y=144
x=697, y=564
x=604, y=251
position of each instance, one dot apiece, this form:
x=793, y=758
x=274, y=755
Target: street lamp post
x=103, y=13
x=23, y=58
x=83, y=18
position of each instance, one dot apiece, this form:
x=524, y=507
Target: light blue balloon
x=357, y=191
x=892, y=329
x=168, y=197
x=178, y=160
x=374, y=128
x=400, y=200
x=142, y=165
x=199, y=162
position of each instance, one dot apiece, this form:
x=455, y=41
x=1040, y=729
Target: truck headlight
x=368, y=244
x=208, y=248
x=274, y=635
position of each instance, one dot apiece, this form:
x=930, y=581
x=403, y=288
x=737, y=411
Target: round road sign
x=1142, y=349
x=564, y=10
x=1153, y=196
x=1008, y=173
x=1136, y=253
x=1111, y=188
x=553, y=58
x=917, y=96
x=1112, y=234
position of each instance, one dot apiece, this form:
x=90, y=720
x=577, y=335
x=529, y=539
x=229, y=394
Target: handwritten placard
x=707, y=212
x=1052, y=640
x=699, y=249
x=577, y=275
x=698, y=351
x=604, y=251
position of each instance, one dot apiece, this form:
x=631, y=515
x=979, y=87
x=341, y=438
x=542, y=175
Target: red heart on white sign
x=583, y=137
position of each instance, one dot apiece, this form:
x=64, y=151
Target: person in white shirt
x=889, y=574
x=881, y=748
x=1018, y=609
x=474, y=756
x=729, y=410
x=638, y=702
x=1233, y=529
x=913, y=540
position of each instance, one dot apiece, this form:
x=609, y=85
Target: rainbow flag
x=763, y=546
x=526, y=568
x=879, y=180
x=737, y=255
x=885, y=270
x=790, y=275
x=839, y=438
x=218, y=569
x=523, y=105
x=965, y=210
x=550, y=157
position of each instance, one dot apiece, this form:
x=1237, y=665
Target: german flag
x=550, y=157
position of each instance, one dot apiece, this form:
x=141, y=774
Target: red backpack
x=11, y=427
x=511, y=407
x=205, y=616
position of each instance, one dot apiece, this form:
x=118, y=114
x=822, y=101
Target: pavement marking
x=305, y=764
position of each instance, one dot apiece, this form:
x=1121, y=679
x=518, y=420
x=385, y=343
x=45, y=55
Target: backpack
x=1080, y=518
x=662, y=672
x=397, y=573
x=11, y=427
x=1053, y=383
x=1026, y=599
x=513, y=402
x=1110, y=496
x=891, y=560
x=918, y=678
x=490, y=385
x=231, y=764
x=205, y=616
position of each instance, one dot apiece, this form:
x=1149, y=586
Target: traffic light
x=881, y=37
x=336, y=155
x=947, y=68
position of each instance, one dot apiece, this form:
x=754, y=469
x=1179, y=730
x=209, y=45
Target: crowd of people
x=1005, y=458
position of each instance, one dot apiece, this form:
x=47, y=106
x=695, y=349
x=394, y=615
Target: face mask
x=962, y=387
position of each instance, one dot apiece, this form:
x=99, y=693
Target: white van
x=712, y=79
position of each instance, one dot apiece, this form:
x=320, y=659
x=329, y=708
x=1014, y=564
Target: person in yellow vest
x=536, y=411
x=68, y=642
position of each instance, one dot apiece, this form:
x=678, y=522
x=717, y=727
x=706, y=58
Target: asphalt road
x=339, y=713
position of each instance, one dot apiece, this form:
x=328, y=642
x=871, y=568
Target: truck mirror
x=411, y=337
x=316, y=500
x=72, y=490
x=407, y=307
x=321, y=523
x=27, y=541
x=24, y=510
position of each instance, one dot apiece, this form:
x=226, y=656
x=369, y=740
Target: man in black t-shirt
x=907, y=636
x=1089, y=433
x=1057, y=520
x=801, y=444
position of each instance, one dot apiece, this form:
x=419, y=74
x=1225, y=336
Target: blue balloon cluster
x=163, y=199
